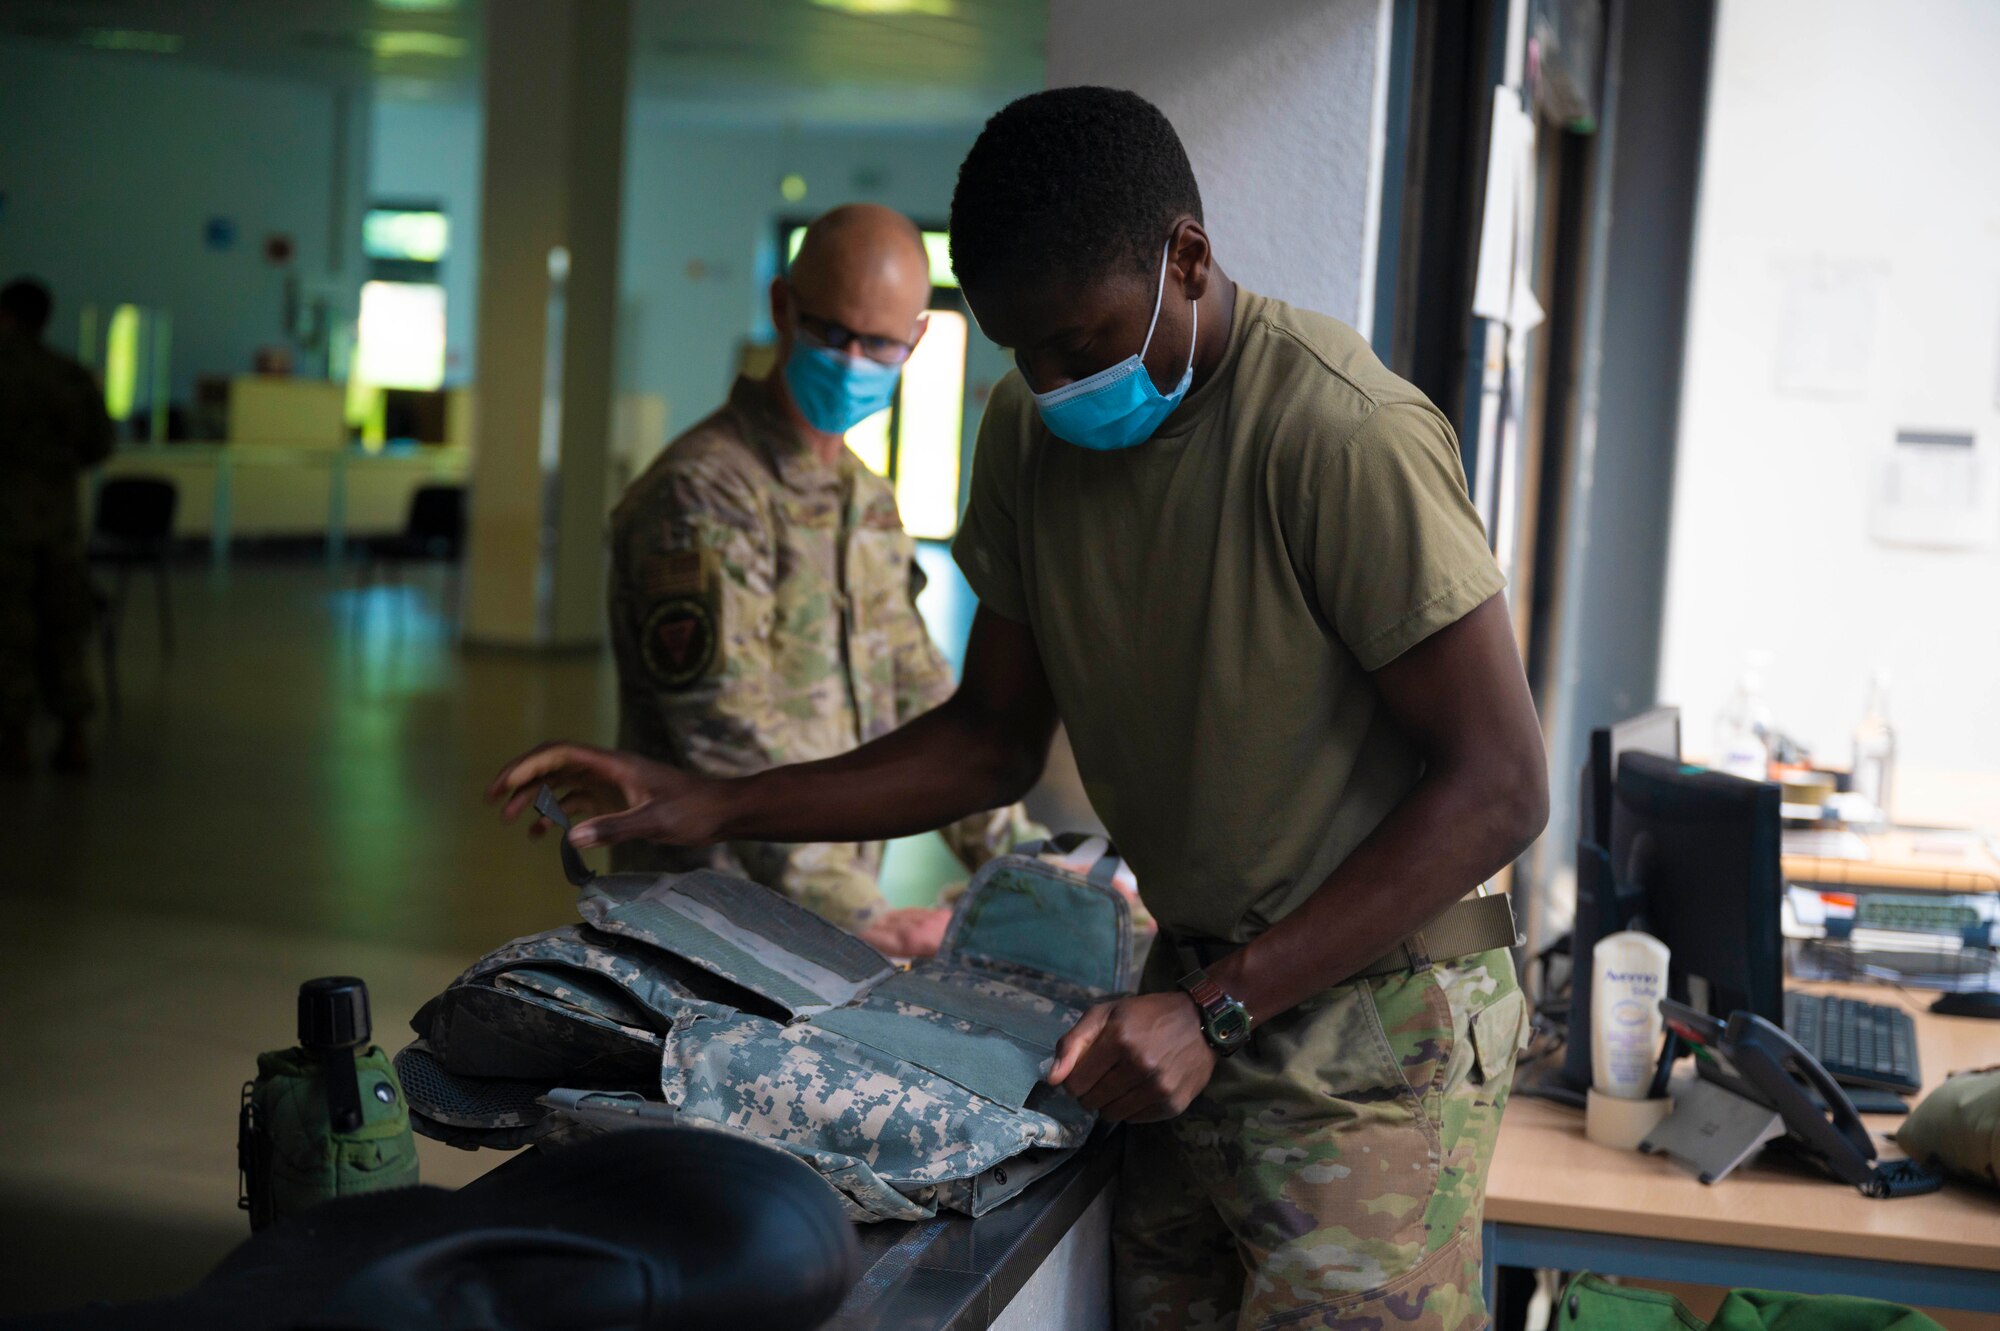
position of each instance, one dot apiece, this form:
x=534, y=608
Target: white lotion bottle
x=1628, y=980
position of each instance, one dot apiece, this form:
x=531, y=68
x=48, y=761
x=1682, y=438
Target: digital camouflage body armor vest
x=705, y=1000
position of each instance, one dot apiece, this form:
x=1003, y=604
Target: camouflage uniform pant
x=45, y=610
x=1333, y=1173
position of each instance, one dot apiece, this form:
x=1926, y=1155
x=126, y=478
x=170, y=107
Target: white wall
x=1843, y=131
x=112, y=165
x=702, y=209
x=1280, y=109
x=430, y=151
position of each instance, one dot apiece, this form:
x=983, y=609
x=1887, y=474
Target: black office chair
x=133, y=526
x=434, y=532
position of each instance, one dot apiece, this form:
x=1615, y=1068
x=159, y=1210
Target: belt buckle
x=1418, y=954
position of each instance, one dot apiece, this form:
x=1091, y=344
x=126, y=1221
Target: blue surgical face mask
x=1118, y=407
x=835, y=391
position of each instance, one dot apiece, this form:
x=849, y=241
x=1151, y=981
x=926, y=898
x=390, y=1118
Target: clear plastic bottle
x=1743, y=728
x=1875, y=746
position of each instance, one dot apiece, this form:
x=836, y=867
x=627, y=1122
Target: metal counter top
x=954, y=1273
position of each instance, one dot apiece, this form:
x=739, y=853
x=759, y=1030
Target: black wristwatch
x=1225, y=1023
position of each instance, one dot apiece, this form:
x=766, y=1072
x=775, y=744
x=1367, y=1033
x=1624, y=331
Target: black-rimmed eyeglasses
x=839, y=337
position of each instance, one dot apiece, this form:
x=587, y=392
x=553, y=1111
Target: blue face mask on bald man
x=835, y=391
x=834, y=388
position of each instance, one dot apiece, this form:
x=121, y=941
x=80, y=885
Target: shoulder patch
x=678, y=573
x=678, y=642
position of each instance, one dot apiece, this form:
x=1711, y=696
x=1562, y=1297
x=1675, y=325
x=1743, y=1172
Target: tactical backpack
x=705, y=1000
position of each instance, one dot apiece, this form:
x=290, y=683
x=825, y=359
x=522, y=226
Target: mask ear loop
x=1158, y=296
x=1194, y=307
x=1194, y=310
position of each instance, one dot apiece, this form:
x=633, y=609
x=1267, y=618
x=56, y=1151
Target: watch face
x=1230, y=1024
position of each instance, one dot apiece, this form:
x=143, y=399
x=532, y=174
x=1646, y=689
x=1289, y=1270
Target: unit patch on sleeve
x=679, y=572
x=678, y=642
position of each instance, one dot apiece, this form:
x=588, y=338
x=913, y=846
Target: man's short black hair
x=1071, y=183
x=28, y=303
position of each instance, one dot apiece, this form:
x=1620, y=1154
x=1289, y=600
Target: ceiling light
x=880, y=8
x=437, y=45
x=418, y=6
x=131, y=39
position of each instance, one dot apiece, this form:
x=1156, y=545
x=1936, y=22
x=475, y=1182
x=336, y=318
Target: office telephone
x=1753, y=1059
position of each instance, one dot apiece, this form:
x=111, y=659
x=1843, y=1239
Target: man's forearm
x=1448, y=835
x=948, y=763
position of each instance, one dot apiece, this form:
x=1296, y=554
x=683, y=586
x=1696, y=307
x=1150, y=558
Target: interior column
x=550, y=200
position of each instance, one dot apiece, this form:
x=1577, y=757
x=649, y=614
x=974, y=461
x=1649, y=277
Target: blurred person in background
x=52, y=427
x=763, y=590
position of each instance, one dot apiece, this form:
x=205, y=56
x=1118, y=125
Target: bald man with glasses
x=763, y=591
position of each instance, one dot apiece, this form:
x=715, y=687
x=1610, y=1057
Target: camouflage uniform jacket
x=762, y=613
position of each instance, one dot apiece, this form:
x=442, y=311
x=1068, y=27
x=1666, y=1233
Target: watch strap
x=1206, y=993
x=1211, y=1003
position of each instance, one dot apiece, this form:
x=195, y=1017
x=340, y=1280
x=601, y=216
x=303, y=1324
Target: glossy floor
x=293, y=791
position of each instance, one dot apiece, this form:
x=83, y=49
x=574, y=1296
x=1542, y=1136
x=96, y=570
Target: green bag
x=1957, y=1126
x=1594, y=1304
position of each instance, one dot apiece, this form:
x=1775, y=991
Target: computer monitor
x=1599, y=908
x=1657, y=731
x=1698, y=852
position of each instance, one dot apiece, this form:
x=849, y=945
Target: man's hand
x=579, y=803
x=1136, y=1060
x=631, y=798
x=914, y=931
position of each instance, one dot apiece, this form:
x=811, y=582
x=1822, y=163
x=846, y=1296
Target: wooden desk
x=1555, y=1199
x=1906, y=859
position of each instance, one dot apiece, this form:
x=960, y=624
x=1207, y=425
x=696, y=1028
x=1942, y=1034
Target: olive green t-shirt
x=1209, y=604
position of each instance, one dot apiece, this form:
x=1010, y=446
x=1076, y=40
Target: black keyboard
x=1861, y=1044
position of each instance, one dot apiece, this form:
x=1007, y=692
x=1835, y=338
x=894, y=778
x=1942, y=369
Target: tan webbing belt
x=1470, y=926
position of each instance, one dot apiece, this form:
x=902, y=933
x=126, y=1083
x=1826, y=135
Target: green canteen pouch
x=294, y=1159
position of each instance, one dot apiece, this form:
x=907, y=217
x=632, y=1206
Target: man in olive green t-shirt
x=1213, y=536
x=1208, y=607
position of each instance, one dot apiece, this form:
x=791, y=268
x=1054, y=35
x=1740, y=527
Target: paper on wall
x=1936, y=489
x=1502, y=230
x=1524, y=313
x=1503, y=293
x=1826, y=330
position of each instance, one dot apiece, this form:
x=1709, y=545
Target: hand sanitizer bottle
x=1875, y=747
x=1743, y=729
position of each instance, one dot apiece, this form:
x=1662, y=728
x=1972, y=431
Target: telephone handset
x=1758, y=1061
